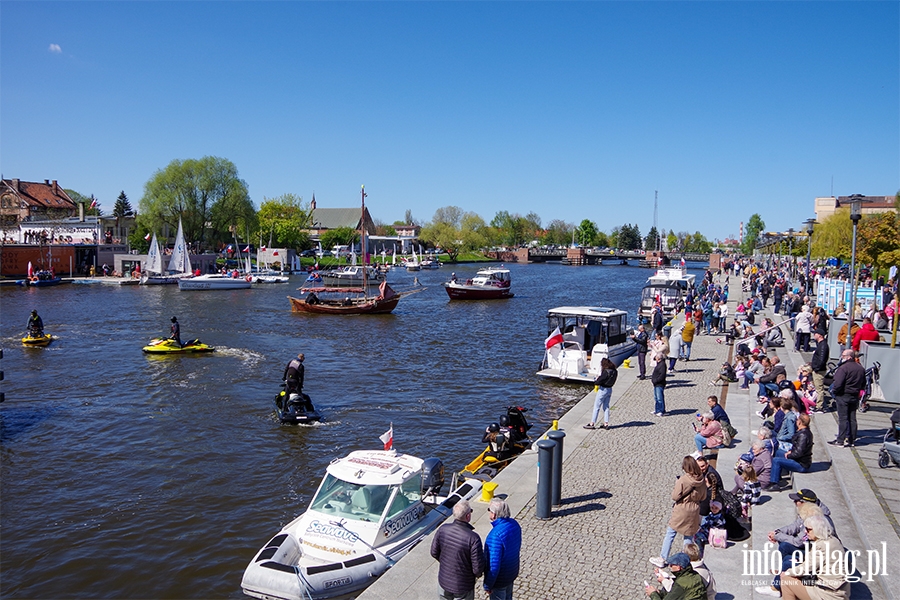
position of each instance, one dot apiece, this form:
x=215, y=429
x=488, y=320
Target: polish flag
x=275, y=253
x=93, y=203
x=682, y=261
x=388, y=438
x=555, y=338
x=263, y=248
x=247, y=249
x=148, y=236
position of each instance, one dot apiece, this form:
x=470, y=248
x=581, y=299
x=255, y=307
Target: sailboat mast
x=362, y=241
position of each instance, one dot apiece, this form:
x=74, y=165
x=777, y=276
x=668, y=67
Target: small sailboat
x=153, y=271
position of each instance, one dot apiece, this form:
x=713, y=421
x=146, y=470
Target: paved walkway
x=616, y=496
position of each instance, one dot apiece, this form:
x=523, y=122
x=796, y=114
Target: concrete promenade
x=617, y=485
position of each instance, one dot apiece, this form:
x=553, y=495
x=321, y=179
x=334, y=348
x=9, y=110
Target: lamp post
x=791, y=251
x=855, y=215
x=809, y=231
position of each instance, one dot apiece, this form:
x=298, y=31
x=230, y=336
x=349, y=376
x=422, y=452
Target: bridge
x=591, y=256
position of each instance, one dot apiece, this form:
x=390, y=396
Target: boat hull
x=37, y=340
x=372, y=306
x=169, y=346
x=617, y=354
x=295, y=415
x=472, y=292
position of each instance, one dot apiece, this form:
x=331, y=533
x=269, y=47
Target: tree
x=87, y=201
x=409, y=218
x=206, y=194
x=338, y=237
x=755, y=225
x=285, y=220
x=651, y=242
x=122, y=208
x=878, y=239
x=510, y=229
x=532, y=225
x=558, y=233
x=833, y=237
x=586, y=232
x=454, y=231
x=629, y=237
x=671, y=241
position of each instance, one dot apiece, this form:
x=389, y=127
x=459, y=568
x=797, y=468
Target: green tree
x=614, y=237
x=755, y=225
x=833, y=237
x=532, y=225
x=877, y=239
x=284, y=219
x=558, y=233
x=651, y=242
x=454, y=231
x=629, y=237
x=206, y=194
x=586, y=233
x=409, y=219
x=86, y=200
x=510, y=229
x=601, y=239
x=122, y=208
x=672, y=241
x=342, y=236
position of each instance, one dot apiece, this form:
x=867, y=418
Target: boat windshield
x=352, y=500
x=410, y=493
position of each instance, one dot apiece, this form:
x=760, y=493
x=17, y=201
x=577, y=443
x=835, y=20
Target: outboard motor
x=432, y=476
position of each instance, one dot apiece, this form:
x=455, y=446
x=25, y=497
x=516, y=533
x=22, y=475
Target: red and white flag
x=263, y=248
x=30, y=270
x=247, y=249
x=275, y=253
x=555, y=338
x=682, y=261
x=388, y=438
x=148, y=236
x=93, y=203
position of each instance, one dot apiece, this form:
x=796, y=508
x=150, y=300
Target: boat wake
x=250, y=356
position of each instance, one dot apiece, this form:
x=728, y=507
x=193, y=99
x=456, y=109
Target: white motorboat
x=371, y=508
x=352, y=276
x=490, y=283
x=216, y=281
x=668, y=287
x=573, y=330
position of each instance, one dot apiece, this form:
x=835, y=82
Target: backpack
x=728, y=432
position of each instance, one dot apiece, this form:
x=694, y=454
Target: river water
x=126, y=475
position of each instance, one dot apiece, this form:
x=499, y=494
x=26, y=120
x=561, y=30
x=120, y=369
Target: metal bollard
x=556, y=475
x=545, y=474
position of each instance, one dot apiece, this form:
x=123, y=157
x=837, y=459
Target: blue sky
x=570, y=110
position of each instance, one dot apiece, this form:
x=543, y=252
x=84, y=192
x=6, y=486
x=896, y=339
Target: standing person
x=656, y=320
x=501, y=552
x=689, y=491
x=457, y=548
x=723, y=316
x=176, y=331
x=687, y=337
x=658, y=379
x=641, y=338
x=819, y=366
x=604, y=382
x=803, y=329
x=849, y=381
x=674, y=348
x=293, y=376
x=35, y=324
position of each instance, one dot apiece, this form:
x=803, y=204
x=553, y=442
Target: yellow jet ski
x=170, y=346
x=39, y=339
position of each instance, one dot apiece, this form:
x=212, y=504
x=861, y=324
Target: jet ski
x=170, y=346
x=37, y=339
x=298, y=409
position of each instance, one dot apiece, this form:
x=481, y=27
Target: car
x=308, y=253
x=324, y=253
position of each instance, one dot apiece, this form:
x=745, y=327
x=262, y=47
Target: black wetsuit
x=176, y=333
x=36, y=325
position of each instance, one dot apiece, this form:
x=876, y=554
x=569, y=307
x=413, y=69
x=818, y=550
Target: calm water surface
x=132, y=476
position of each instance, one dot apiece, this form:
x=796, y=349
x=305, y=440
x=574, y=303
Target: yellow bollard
x=487, y=491
x=555, y=426
x=626, y=364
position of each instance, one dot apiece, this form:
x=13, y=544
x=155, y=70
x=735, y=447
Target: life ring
x=249, y=278
x=34, y=279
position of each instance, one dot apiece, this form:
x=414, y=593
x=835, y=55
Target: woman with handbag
x=604, y=382
x=822, y=574
x=689, y=491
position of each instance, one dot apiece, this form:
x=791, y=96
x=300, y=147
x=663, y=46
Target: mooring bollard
x=487, y=491
x=556, y=475
x=545, y=474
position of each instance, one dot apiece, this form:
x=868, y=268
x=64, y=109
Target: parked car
x=308, y=253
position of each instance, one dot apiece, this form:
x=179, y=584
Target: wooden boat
x=345, y=301
x=488, y=284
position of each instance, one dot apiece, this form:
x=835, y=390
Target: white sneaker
x=658, y=561
x=768, y=590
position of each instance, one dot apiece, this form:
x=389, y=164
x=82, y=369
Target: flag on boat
x=682, y=262
x=229, y=248
x=388, y=438
x=148, y=236
x=30, y=270
x=247, y=249
x=555, y=338
x=263, y=249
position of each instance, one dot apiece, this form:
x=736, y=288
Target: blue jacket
x=501, y=553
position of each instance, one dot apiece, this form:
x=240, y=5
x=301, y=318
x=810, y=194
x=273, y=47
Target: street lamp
x=791, y=251
x=856, y=201
x=809, y=231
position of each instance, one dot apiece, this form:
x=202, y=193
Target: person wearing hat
x=35, y=325
x=176, y=331
x=687, y=583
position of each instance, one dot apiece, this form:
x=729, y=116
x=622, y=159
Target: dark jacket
x=641, y=338
x=657, y=320
x=802, y=449
x=607, y=378
x=773, y=374
x=457, y=548
x=658, y=377
x=293, y=374
x=501, y=553
x=819, y=361
x=688, y=585
x=849, y=379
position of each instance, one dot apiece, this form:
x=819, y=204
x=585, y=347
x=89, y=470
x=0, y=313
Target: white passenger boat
x=352, y=276
x=215, y=281
x=371, y=508
x=580, y=337
x=668, y=287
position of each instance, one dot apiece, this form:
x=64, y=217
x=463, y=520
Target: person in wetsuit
x=176, y=331
x=293, y=381
x=35, y=324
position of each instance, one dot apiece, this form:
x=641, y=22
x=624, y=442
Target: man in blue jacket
x=501, y=552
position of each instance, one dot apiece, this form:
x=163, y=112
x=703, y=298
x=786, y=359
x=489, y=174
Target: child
x=726, y=375
x=714, y=520
x=751, y=491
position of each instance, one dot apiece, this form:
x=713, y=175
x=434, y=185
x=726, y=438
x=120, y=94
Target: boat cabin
x=589, y=326
x=493, y=277
x=668, y=287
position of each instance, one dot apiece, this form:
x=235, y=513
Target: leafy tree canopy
x=86, y=200
x=284, y=220
x=586, y=233
x=651, y=242
x=629, y=237
x=558, y=233
x=342, y=236
x=755, y=225
x=455, y=231
x=833, y=237
x=878, y=239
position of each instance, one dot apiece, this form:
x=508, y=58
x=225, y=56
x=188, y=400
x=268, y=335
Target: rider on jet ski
x=293, y=382
x=35, y=325
x=176, y=331
x=498, y=440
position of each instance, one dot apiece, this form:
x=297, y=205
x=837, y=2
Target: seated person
x=798, y=458
x=773, y=337
x=709, y=432
x=823, y=566
x=726, y=375
x=768, y=383
x=497, y=441
x=785, y=433
x=714, y=520
x=750, y=491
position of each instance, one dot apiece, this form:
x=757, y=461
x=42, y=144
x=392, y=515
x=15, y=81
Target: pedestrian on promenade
x=656, y=319
x=674, y=348
x=849, y=381
x=804, y=327
x=642, y=340
x=688, y=493
x=604, y=385
x=460, y=556
x=819, y=366
x=686, y=583
x=502, y=547
x=658, y=379
x=687, y=337
x=657, y=346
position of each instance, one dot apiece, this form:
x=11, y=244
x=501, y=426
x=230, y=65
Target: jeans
x=787, y=551
x=445, y=595
x=660, y=398
x=601, y=401
x=707, y=322
x=788, y=465
x=672, y=362
x=504, y=593
x=765, y=388
x=685, y=350
x=801, y=340
x=667, y=542
x=642, y=363
x=701, y=443
x=846, y=410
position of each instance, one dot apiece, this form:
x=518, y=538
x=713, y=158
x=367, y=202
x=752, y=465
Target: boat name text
x=393, y=526
x=330, y=530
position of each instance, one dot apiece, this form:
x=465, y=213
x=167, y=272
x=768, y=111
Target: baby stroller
x=890, y=449
x=872, y=377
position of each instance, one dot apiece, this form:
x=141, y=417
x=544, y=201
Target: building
x=871, y=205
x=30, y=201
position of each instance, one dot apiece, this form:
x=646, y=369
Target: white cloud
x=55, y=49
